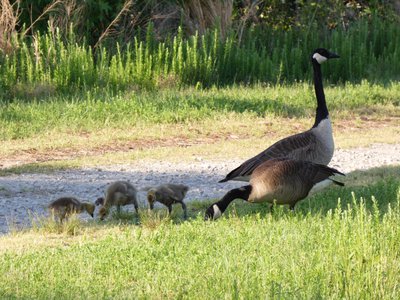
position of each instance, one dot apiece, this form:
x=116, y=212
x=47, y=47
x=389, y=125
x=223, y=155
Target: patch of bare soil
x=33, y=155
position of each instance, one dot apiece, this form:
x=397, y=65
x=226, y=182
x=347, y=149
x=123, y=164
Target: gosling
x=168, y=194
x=118, y=193
x=65, y=206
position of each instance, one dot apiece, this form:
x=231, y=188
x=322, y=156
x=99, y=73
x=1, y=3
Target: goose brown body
x=168, y=194
x=315, y=145
x=283, y=181
x=118, y=194
x=286, y=181
x=65, y=206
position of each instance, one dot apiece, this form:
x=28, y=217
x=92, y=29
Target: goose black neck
x=322, y=110
x=239, y=193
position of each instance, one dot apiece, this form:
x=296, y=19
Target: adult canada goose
x=315, y=145
x=168, y=194
x=285, y=181
x=65, y=206
x=118, y=193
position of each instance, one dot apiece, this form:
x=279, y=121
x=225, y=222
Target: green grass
x=323, y=250
x=83, y=113
x=99, y=128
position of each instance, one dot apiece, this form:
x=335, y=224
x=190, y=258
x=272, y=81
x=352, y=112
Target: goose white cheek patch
x=217, y=212
x=319, y=58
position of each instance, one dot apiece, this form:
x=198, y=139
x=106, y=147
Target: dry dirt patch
x=87, y=148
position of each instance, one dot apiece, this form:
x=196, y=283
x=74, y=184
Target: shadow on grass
x=259, y=106
x=153, y=218
x=39, y=168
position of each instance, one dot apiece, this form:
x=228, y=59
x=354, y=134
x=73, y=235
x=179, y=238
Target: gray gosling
x=118, y=193
x=65, y=206
x=283, y=181
x=168, y=194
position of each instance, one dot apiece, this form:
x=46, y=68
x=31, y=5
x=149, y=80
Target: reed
x=369, y=49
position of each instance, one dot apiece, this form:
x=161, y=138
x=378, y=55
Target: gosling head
x=213, y=213
x=185, y=189
x=99, y=201
x=103, y=213
x=321, y=55
x=89, y=207
x=152, y=197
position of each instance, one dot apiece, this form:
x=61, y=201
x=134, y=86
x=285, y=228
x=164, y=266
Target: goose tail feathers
x=337, y=182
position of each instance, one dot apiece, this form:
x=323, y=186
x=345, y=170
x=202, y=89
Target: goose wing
x=312, y=174
x=126, y=188
x=177, y=191
x=299, y=146
x=167, y=192
x=64, y=202
x=291, y=179
x=309, y=174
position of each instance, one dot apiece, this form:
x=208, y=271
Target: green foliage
x=329, y=14
x=369, y=50
x=349, y=251
x=92, y=111
x=90, y=18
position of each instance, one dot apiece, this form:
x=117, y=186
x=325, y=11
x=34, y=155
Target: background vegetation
x=66, y=46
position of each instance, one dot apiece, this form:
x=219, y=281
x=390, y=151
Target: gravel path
x=22, y=194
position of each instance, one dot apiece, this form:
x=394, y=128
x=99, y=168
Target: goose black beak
x=92, y=215
x=209, y=215
x=333, y=55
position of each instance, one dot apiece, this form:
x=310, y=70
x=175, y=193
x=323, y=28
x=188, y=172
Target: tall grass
x=370, y=49
x=350, y=251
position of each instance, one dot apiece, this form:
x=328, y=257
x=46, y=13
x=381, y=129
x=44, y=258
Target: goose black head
x=212, y=213
x=321, y=55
